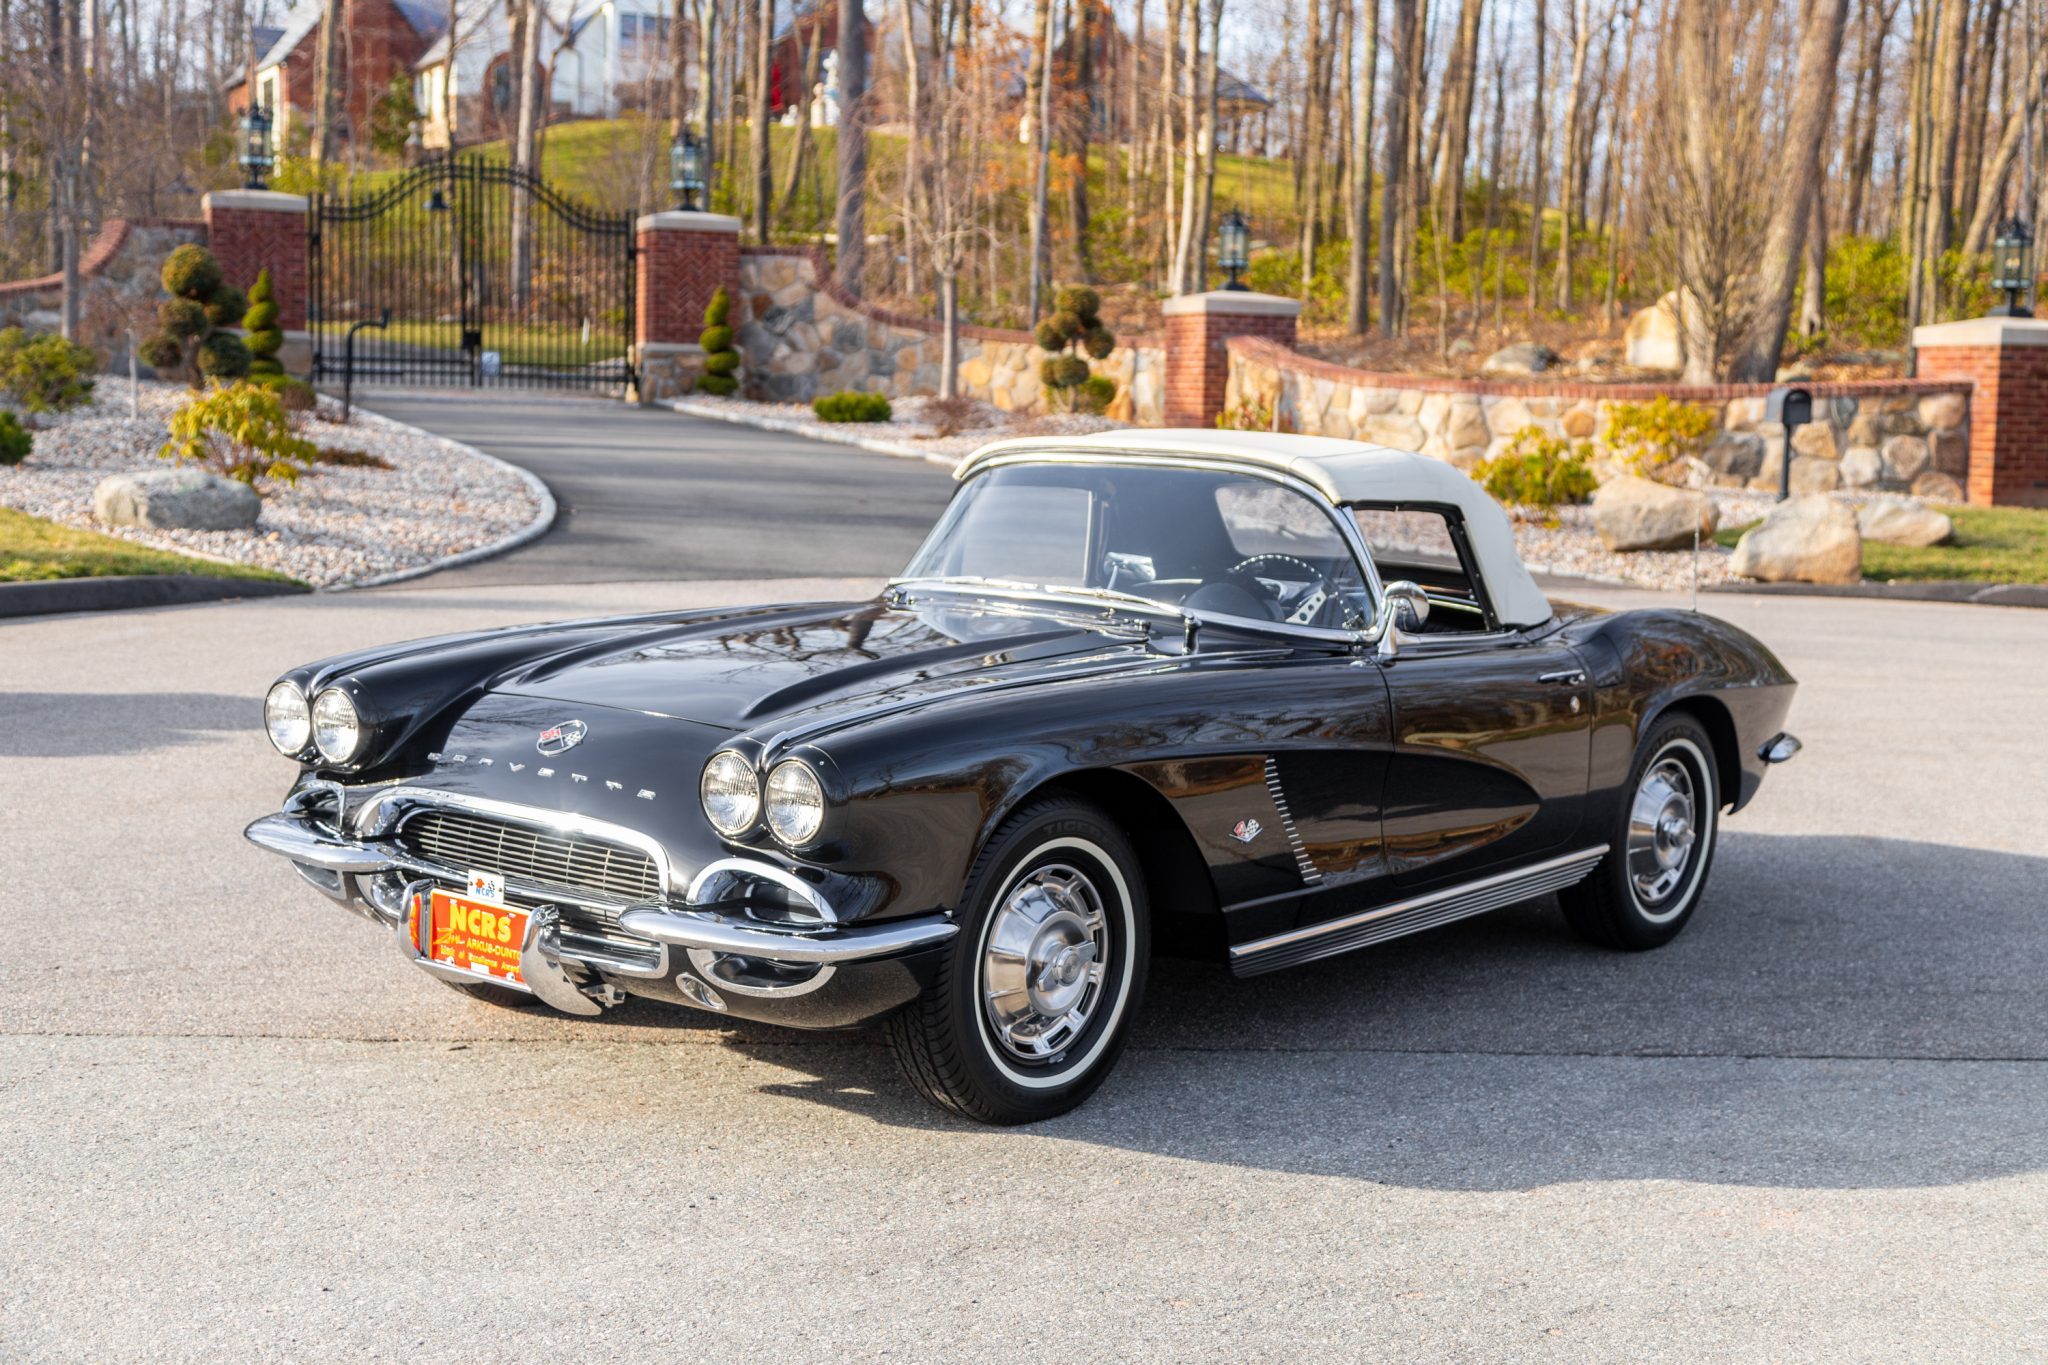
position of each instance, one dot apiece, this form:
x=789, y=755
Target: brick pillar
x=252, y=230
x=2006, y=362
x=682, y=259
x=1197, y=365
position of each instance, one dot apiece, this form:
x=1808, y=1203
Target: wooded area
x=1450, y=172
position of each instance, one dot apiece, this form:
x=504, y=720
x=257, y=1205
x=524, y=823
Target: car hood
x=738, y=674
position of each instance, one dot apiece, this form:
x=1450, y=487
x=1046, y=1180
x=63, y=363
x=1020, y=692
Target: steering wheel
x=1310, y=605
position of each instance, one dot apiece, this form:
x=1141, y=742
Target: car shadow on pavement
x=89, y=724
x=1844, y=1012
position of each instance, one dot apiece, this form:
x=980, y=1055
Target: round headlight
x=337, y=732
x=286, y=717
x=796, y=802
x=730, y=792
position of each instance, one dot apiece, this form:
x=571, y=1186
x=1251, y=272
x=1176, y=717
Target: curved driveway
x=234, y=1125
x=648, y=494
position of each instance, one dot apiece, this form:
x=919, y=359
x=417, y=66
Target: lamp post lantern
x=1234, y=249
x=256, y=155
x=2012, y=268
x=686, y=170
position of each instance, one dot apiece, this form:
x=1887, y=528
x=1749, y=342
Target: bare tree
x=1038, y=103
x=1393, y=308
x=758, y=142
x=1358, y=305
x=1460, y=81
x=327, y=80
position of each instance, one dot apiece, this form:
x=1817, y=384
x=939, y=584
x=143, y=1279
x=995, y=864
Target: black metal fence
x=492, y=277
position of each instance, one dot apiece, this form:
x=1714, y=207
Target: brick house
x=383, y=39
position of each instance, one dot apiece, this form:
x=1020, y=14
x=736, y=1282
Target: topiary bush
x=45, y=373
x=200, y=301
x=263, y=338
x=239, y=430
x=1537, y=470
x=851, y=406
x=721, y=361
x=1074, y=332
x=15, y=439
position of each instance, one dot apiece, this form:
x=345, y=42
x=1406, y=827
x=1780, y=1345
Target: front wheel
x=1035, y=999
x=1646, y=888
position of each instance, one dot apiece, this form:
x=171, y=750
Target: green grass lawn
x=557, y=344
x=33, y=550
x=1990, y=545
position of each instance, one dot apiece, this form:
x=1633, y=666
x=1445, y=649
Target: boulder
x=1524, y=357
x=1811, y=474
x=1735, y=455
x=1651, y=340
x=1580, y=422
x=1638, y=514
x=1894, y=520
x=1862, y=467
x=1935, y=486
x=1904, y=458
x=176, y=499
x=1816, y=439
x=1943, y=410
x=1802, y=540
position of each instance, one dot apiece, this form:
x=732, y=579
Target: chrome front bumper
x=709, y=924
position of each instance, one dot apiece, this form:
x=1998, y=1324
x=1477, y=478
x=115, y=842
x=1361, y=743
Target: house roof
x=1343, y=471
x=427, y=18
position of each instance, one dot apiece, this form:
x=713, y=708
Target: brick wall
x=677, y=272
x=1198, y=362
x=2009, y=408
x=247, y=240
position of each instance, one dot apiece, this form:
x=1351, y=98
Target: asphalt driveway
x=648, y=494
x=234, y=1125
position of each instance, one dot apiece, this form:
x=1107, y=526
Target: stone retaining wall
x=1865, y=434
x=119, y=284
x=801, y=337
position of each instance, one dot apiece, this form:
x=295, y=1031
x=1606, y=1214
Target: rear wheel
x=1034, y=1002
x=1661, y=848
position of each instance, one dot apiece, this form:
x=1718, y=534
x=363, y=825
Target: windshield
x=1211, y=543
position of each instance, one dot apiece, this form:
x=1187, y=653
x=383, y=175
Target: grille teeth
x=575, y=866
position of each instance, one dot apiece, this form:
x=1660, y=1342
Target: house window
x=642, y=36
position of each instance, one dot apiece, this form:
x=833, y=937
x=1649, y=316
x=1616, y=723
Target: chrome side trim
x=722, y=934
x=1426, y=911
x=1310, y=875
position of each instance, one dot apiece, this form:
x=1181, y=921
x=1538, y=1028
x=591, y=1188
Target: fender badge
x=1246, y=830
x=557, y=739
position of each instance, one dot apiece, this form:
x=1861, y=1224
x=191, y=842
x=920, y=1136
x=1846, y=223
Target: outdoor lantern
x=2012, y=267
x=1234, y=249
x=686, y=170
x=256, y=157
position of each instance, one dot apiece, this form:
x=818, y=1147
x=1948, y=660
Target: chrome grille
x=576, y=866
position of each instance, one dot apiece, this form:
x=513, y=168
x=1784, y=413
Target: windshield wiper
x=1058, y=591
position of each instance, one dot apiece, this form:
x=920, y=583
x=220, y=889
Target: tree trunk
x=762, y=174
x=1813, y=287
x=1082, y=45
x=1310, y=153
x=1393, y=190
x=1460, y=82
x=949, y=334
x=804, y=150
x=1205, y=205
x=1038, y=103
x=1568, y=186
x=1358, y=304
x=2025, y=105
x=851, y=181
x=327, y=78
x=1541, y=153
x=525, y=157
x=1813, y=99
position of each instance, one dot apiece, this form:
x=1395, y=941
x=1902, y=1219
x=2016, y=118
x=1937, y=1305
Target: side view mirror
x=1404, y=606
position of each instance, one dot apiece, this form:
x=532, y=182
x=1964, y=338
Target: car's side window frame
x=1461, y=544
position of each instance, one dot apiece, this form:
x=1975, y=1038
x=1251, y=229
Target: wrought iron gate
x=491, y=277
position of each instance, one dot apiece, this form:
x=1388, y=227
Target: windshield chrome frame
x=1347, y=529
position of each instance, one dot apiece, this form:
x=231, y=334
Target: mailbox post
x=1790, y=408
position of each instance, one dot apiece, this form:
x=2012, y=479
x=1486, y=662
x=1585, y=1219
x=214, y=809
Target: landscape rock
x=176, y=499
x=1862, y=467
x=1803, y=540
x=1639, y=514
x=1951, y=450
x=1894, y=520
x=1735, y=455
x=1651, y=340
x=1811, y=474
x=1816, y=439
x=1580, y=422
x=1904, y=458
x=1943, y=410
x=1935, y=486
x=1524, y=357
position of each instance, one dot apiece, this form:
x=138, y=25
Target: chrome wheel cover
x=1044, y=961
x=1663, y=831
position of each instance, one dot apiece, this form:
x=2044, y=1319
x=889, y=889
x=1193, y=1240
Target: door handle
x=1570, y=677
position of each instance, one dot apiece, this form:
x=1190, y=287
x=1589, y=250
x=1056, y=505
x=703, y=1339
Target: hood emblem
x=557, y=739
x=1244, y=831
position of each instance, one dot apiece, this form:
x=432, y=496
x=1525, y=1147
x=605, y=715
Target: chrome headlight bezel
x=725, y=759
x=801, y=791
x=344, y=720
x=281, y=695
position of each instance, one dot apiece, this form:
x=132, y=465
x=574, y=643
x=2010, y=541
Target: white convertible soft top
x=1344, y=471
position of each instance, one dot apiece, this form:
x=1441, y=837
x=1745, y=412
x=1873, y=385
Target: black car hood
x=742, y=674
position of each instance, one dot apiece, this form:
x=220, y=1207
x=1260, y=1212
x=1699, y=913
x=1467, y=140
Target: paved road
x=648, y=494
x=234, y=1125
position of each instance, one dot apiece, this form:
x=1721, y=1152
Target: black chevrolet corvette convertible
x=1261, y=698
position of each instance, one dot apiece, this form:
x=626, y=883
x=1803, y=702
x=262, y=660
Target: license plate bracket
x=477, y=937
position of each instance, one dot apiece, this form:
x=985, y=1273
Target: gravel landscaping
x=336, y=527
